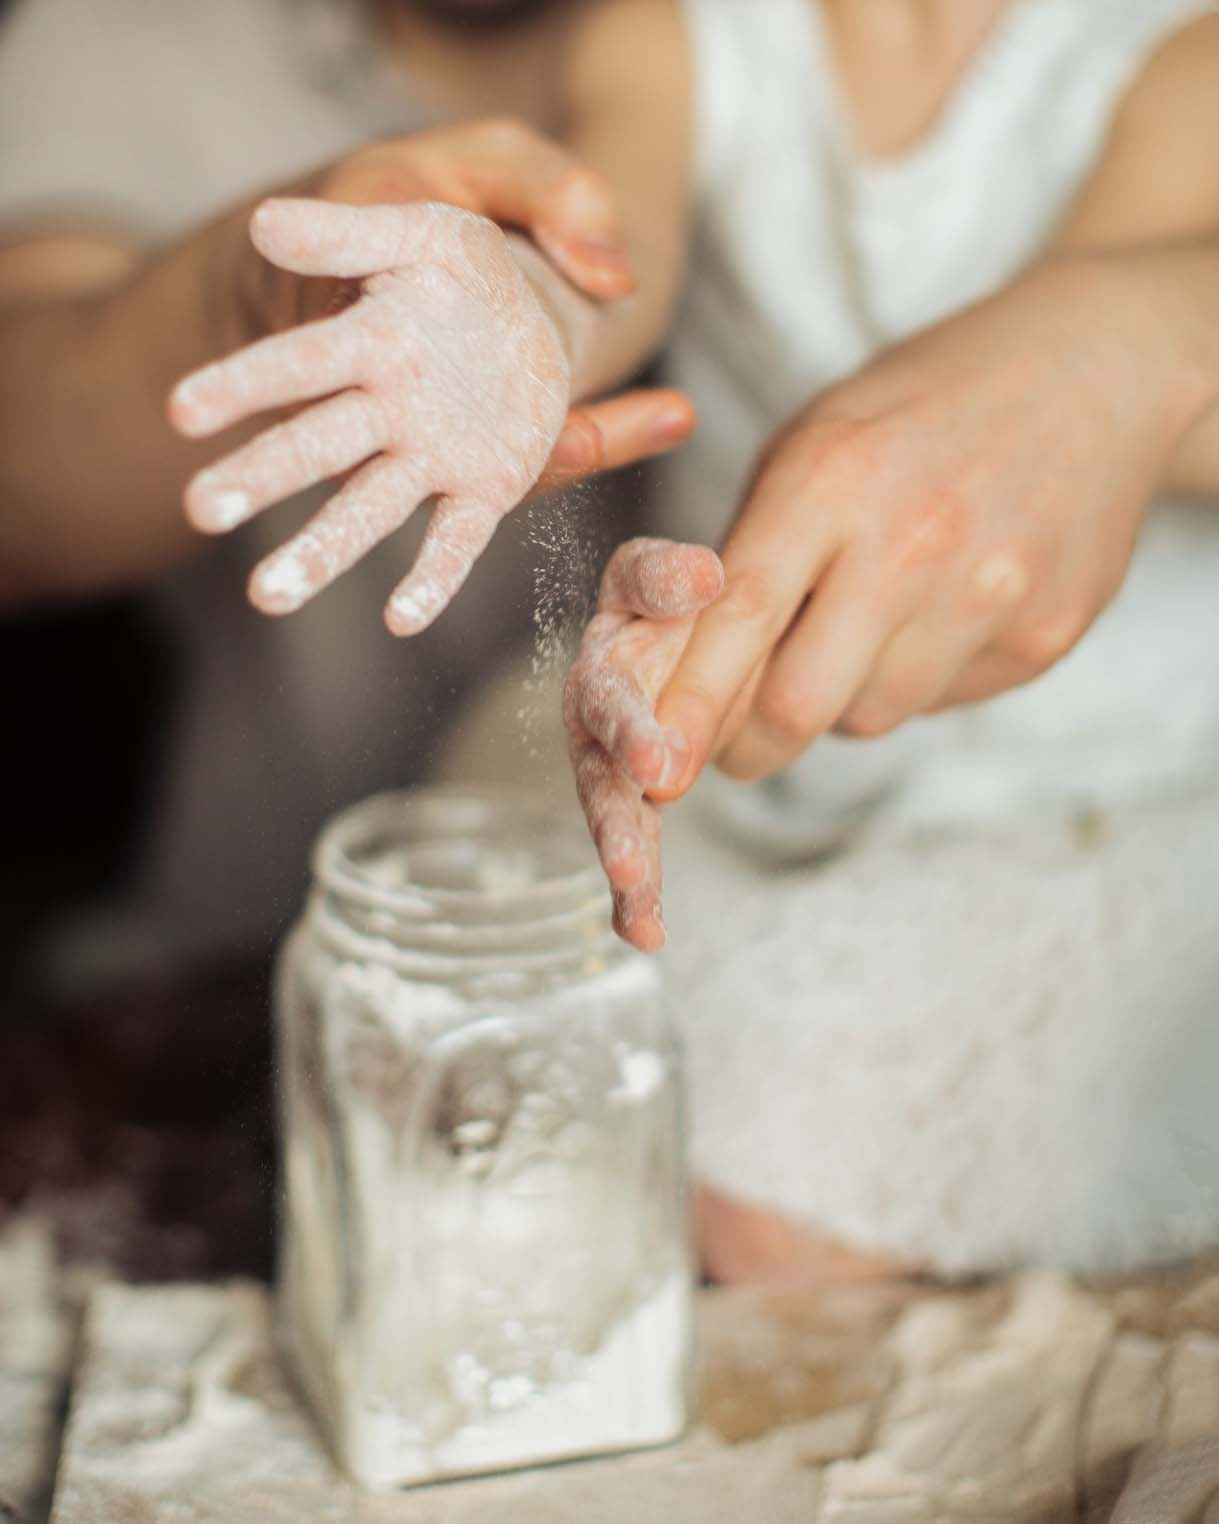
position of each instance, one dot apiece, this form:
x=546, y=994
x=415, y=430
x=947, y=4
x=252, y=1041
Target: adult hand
x=943, y=526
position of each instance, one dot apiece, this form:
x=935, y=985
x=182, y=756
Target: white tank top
x=809, y=259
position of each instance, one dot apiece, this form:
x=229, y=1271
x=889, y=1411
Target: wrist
x=570, y=313
x=1162, y=305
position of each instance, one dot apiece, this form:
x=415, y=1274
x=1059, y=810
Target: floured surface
x=1027, y=1402
x=36, y=1338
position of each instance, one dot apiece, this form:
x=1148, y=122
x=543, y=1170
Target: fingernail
x=671, y=425
x=610, y=257
x=227, y=509
x=282, y=585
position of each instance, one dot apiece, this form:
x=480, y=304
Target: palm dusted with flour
x=423, y=361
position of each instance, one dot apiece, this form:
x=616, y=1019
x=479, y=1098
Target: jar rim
x=437, y=813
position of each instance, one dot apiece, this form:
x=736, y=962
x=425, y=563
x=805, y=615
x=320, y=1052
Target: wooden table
x=1033, y=1400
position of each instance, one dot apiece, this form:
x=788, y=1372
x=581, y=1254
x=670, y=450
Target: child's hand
x=445, y=378
x=500, y=169
x=940, y=527
x=650, y=593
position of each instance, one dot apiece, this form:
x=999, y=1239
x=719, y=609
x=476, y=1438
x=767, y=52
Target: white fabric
x=810, y=259
x=982, y=1035
x=965, y=1051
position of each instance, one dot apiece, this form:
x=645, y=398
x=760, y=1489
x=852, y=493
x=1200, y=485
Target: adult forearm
x=1194, y=467
x=1168, y=295
x=90, y=473
x=629, y=119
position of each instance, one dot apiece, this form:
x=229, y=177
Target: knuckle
x=838, y=442
x=1001, y=582
x=792, y=711
x=700, y=715
x=818, y=447
x=1042, y=642
x=746, y=598
x=933, y=529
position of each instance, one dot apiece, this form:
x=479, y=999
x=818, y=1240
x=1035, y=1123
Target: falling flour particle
x=568, y=536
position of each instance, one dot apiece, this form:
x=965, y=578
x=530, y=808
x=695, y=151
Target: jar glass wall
x=484, y=1256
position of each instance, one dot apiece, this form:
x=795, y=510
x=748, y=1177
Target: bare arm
x=92, y=333
x=629, y=117
x=1151, y=212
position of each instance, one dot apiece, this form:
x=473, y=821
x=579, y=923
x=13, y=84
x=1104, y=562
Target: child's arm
x=1153, y=205
x=449, y=375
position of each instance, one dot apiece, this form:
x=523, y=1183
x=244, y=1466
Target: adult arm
x=94, y=331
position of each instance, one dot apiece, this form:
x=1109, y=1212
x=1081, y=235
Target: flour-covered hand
x=650, y=594
x=445, y=379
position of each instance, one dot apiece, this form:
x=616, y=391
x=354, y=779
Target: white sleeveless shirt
x=809, y=259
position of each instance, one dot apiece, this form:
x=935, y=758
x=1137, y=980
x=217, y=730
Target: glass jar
x=484, y=1257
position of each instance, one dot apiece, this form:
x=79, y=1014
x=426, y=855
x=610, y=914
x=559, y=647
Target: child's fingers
x=322, y=442
x=637, y=912
x=375, y=502
x=610, y=705
x=613, y=807
x=660, y=579
x=314, y=237
x=456, y=536
x=625, y=829
x=297, y=366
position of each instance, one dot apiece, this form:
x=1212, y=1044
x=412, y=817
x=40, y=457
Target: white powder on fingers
x=446, y=366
